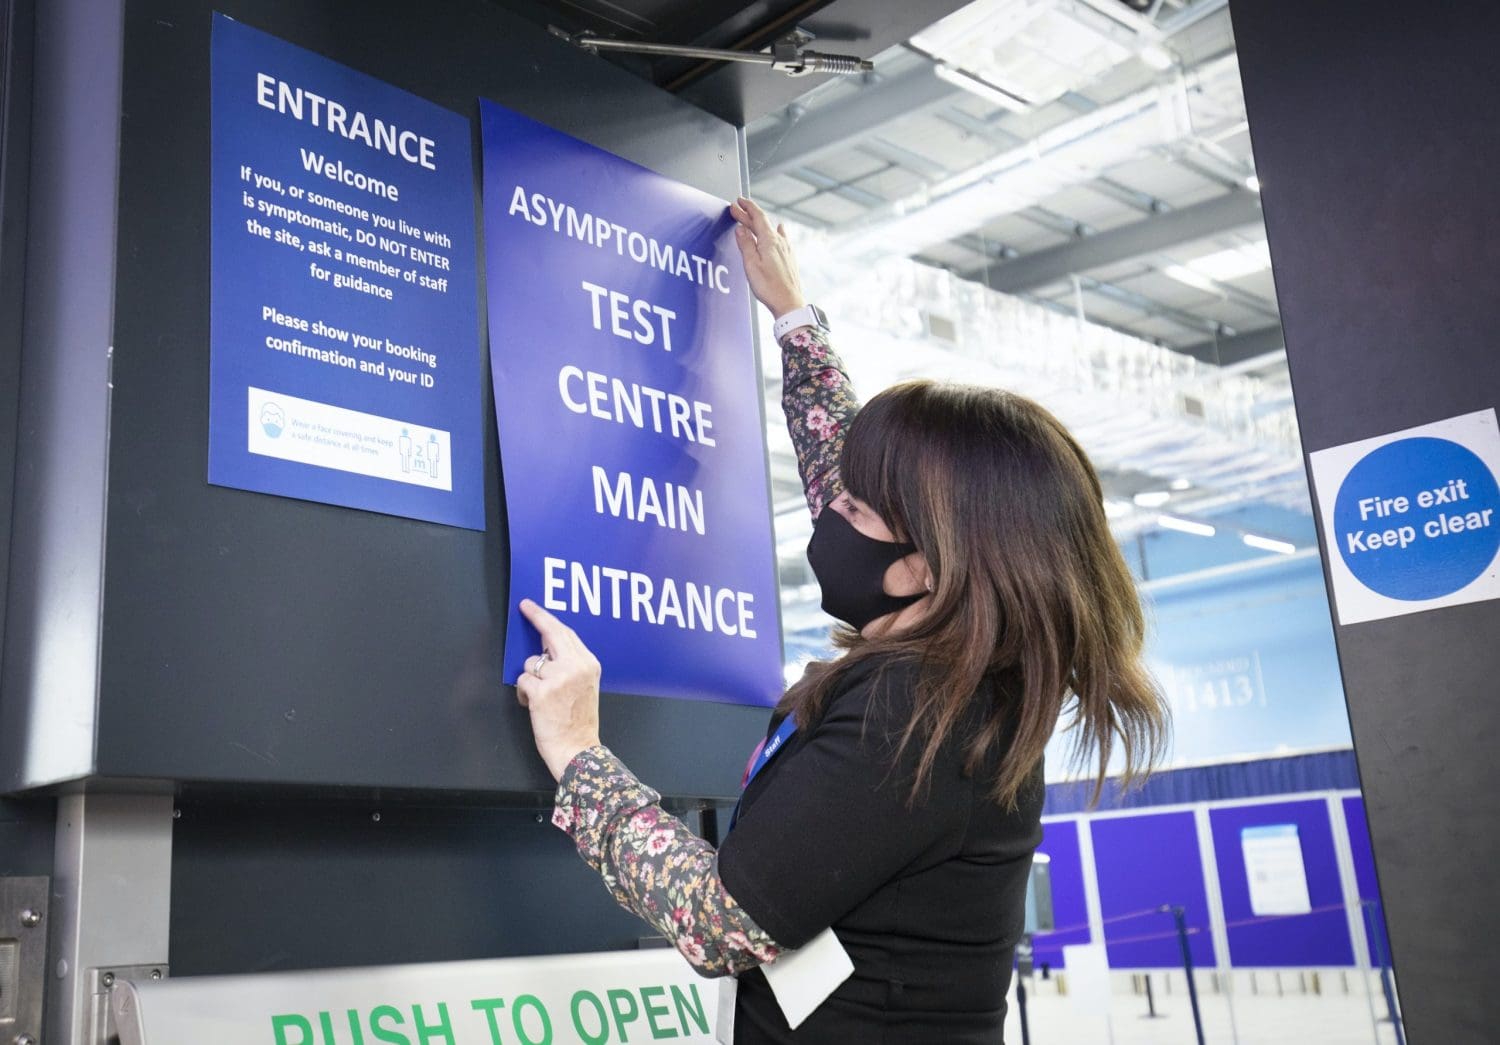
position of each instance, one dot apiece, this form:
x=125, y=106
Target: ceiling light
x=1152, y=498
x=1268, y=544
x=1157, y=57
x=1252, y=183
x=1198, y=281
x=1116, y=509
x=1232, y=264
x=981, y=88
x=1207, y=272
x=1197, y=529
x=1179, y=485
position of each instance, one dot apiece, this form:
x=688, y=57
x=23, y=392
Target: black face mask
x=850, y=568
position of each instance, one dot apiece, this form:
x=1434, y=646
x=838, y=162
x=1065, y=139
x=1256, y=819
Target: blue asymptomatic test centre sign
x=628, y=402
x=346, y=365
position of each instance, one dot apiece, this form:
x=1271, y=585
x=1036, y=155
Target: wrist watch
x=806, y=316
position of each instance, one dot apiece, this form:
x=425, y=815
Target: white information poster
x=1273, y=864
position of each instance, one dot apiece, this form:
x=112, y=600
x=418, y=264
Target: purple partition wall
x=1147, y=861
x=1144, y=863
x=1070, y=909
x=1320, y=937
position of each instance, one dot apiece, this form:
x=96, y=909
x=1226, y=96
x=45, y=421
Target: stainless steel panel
x=23, y=957
x=50, y=666
x=112, y=902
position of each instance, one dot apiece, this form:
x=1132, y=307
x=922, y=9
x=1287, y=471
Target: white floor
x=1330, y=1018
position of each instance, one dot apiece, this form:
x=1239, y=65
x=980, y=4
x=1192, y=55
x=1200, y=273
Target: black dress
x=927, y=898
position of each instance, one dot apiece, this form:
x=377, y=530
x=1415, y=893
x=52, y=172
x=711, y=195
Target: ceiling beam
x=1145, y=305
x=900, y=156
x=778, y=148
x=1138, y=239
x=1236, y=348
x=823, y=183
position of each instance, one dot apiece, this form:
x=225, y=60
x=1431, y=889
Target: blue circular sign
x=1418, y=519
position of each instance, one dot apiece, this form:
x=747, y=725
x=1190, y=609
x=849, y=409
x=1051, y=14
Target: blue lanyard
x=772, y=746
x=768, y=751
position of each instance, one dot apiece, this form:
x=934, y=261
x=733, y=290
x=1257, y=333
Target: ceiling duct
x=1073, y=153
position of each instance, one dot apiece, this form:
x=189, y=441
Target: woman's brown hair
x=1032, y=601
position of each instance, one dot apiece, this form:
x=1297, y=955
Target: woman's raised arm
x=816, y=394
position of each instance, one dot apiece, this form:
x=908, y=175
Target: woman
x=960, y=535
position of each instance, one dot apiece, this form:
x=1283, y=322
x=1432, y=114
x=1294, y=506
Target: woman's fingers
x=744, y=237
x=556, y=636
x=769, y=264
x=560, y=643
x=756, y=218
x=742, y=230
x=560, y=689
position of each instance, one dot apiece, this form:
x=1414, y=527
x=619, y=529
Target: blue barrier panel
x=1279, y=879
x=1144, y=863
x=1070, y=909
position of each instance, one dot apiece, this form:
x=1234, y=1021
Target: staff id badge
x=801, y=980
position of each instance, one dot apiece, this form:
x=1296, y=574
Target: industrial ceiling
x=1054, y=195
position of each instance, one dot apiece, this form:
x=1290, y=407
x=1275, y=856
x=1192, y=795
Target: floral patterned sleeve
x=654, y=866
x=819, y=403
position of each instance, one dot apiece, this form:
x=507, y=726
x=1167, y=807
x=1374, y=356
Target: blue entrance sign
x=345, y=332
x=628, y=405
x=1418, y=519
x=1411, y=520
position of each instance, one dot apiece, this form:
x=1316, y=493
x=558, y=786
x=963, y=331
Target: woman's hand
x=769, y=263
x=560, y=687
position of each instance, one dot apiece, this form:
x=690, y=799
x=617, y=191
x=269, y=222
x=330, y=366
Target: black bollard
x=1187, y=967
x=1151, y=1013
x=1021, y=1009
x=1023, y=969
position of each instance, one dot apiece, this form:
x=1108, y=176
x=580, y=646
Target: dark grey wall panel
x=261, y=887
x=27, y=827
x=260, y=639
x=1374, y=137
x=49, y=675
x=15, y=153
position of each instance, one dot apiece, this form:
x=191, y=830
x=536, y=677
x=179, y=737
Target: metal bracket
x=101, y=1020
x=111, y=908
x=788, y=54
x=23, y=958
